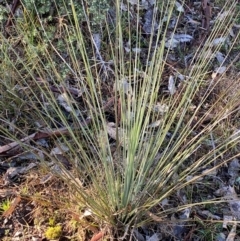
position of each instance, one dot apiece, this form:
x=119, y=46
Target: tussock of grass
x=123, y=180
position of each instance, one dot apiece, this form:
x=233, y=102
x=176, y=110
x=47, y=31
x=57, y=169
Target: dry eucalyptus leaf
x=30, y=156
x=160, y=108
x=124, y=7
x=232, y=233
x=222, y=16
x=171, y=43
x=138, y=235
x=164, y=202
x=221, y=237
x=179, y=7
x=97, y=40
x=210, y=172
x=227, y=219
x=218, y=41
x=171, y=85
x=13, y=172
x=137, y=50
x=148, y=26
x=210, y=215
x=190, y=20
x=65, y=101
x=181, y=77
x=143, y=4
x=232, y=34
x=154, y=237
x=127, y=46
x=234, y=167
x=123, y=85
x=148, y=3
x=219, y=70
x=112, y=132
x=63, y=98
x=62, y=148
x=155, y=124
x=46, y=178
x=183, y=38
x=231, y=197
x=185, y=213
x=220, y=57
x=7, y=192
x=133, y=2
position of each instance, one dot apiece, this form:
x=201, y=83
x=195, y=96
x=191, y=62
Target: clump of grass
x=126, y=157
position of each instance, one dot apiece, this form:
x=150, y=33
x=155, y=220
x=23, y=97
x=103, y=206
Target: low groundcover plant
x=133, y=128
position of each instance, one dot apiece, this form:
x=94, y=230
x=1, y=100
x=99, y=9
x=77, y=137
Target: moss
x=95, y=9
x=53, y=232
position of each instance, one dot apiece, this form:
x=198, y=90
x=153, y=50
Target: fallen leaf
x=112, y=132
x=154, y=237
x=160, y=108
x=220, y=57
x=231, y=197
x=183, y=38
x=179, y=7
x=6, y=192
x=232, y=233
x=150, y=24
x=123, y=86
x=227, y=219
x=218, y=41
x=210, y=215
x=171, y=43
x=61, y=149
x=155, y=124
x=233, y=170
x=219, y=70
x=222, y=15
x=97, y=40
x=221, y=237
x=171, y=85
x=137, y=50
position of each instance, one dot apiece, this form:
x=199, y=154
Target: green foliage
x=93, y=9
x=3, y=13
x=51, y=221
x=42, y=6
x=53, y=232
x=5, y=205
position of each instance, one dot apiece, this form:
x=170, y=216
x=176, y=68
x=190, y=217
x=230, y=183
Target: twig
x=49, y=133
x=97, y=236
x=34, y=136
x=12, y=11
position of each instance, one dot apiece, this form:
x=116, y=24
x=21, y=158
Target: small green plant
x=3, y=13
x=51, y=221
x=93, y=9
x=53, y=232
x=5, y=205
